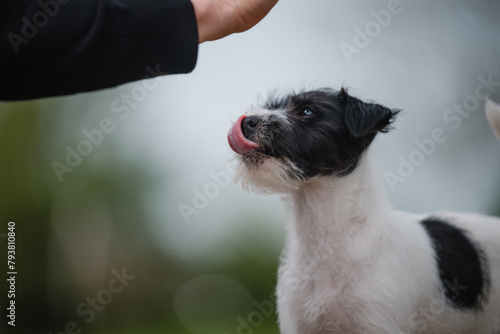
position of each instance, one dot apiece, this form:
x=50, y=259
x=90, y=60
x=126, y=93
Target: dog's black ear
x=363, y=118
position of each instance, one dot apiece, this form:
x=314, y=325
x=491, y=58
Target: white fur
x=270, y=177
x=493, y=116
x=373, y=275
x=351, y=264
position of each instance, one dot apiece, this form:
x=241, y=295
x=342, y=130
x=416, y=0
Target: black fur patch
x=327, y=130
x=462, y=265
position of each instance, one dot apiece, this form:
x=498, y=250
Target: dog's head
x=295, y=138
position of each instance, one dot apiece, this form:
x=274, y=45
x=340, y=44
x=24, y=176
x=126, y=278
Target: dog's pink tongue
x=238, y=142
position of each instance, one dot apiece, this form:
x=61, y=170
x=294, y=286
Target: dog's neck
x=334, y=210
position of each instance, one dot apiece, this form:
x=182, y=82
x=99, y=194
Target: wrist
x=200, y=11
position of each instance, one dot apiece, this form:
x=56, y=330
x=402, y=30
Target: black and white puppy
x=351, y=264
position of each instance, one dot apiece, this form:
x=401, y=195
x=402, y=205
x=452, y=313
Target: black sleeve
x=59, y=47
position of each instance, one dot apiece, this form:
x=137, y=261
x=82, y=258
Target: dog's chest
x=319, y=300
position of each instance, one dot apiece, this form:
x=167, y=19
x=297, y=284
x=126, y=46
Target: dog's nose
x=249, y=125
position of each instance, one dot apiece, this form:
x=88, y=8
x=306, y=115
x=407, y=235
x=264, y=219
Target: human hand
x=220, y=18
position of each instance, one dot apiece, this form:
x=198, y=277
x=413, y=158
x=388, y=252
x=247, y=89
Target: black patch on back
x=462, y=265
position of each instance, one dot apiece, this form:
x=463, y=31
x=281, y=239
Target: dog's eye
x=306, y=112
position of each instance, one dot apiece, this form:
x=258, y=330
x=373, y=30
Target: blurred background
x=126, y=218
